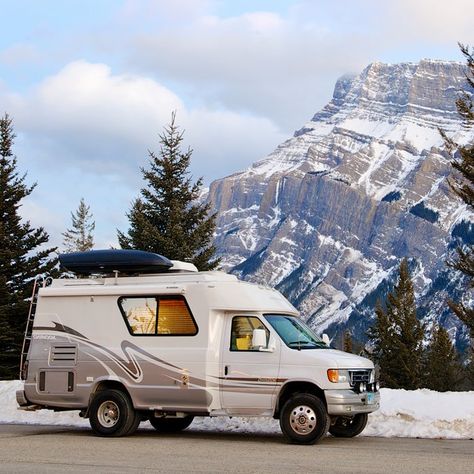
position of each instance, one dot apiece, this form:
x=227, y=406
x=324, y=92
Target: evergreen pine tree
x=381, y=336
x=79, y=238
x=397, y=336
x=347, y=343
x=22, y=255
x=167, y=218
x=463, y=185
x=442, y=368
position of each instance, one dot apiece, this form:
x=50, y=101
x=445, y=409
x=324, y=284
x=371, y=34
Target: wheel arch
x=297, y=386
x=106, y=384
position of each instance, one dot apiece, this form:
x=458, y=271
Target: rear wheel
x=111, y=413
x=346, y=427
x=171, y=425
x=303, y=419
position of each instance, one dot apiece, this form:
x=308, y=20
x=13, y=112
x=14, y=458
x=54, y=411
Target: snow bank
x=10, y=414
x=423, y=414
x=411, y=414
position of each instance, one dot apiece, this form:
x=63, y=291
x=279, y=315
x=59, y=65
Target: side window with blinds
x=157, y=316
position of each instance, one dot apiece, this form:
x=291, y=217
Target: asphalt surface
x=53, y=449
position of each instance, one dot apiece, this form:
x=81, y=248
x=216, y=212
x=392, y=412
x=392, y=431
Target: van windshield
x=294, y=332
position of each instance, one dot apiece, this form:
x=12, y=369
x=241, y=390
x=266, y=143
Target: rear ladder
x=29, y=327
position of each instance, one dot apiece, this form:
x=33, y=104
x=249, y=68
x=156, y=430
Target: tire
x=349, y=427
x=304, y=419
x=171, y=425
x=111, y=413
x=134, y=425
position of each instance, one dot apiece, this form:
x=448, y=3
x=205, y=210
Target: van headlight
x=338, y=375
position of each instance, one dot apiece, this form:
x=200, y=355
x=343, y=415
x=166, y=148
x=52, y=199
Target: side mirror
x=325, y=339
x=259, y=339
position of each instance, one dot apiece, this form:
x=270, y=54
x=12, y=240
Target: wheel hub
x=303, y=419
x=108, y=414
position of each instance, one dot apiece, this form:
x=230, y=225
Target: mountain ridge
x=328, y=215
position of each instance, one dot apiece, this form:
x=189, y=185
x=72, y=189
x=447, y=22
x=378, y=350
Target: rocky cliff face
x=328, y=216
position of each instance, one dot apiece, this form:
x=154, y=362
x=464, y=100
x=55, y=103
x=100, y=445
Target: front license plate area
x=370, y=398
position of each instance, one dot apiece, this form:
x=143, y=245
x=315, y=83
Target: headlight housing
x=372, y=376
x=338, y=375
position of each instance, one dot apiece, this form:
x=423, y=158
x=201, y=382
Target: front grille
x=358, y=376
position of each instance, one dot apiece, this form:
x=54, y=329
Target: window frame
x=246, y=316
x=303, y=324
x=157, y=299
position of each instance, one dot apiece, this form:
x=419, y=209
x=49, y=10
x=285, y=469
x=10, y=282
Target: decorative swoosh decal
x=261, y=379
x=128, y=364
x=60, y=328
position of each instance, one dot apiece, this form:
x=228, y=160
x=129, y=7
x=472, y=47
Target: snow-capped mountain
x=327, y=216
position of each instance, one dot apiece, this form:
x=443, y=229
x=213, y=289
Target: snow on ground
x=403, y=413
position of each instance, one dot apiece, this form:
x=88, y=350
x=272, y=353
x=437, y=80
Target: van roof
x=146, y=279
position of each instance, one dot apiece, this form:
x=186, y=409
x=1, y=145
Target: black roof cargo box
x=108, y=261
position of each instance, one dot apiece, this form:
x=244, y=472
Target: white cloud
x=91, y=117
x=177, y=10
x=19, y=54
x=428, y=21
x=85, y=132
x=259, y=63
x=85, y=97
x=283, y=65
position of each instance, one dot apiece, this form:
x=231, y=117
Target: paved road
x=52, y=449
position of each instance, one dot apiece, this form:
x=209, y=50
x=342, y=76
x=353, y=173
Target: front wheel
x=171, y=425
x=346, y=427
x=304, y=419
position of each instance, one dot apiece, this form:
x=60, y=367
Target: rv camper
x=139, y=337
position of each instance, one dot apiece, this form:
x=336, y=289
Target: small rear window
x=157, y=316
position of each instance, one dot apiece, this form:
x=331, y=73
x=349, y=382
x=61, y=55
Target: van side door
x=249, y=377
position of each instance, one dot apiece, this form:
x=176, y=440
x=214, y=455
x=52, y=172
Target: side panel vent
x=63, y=355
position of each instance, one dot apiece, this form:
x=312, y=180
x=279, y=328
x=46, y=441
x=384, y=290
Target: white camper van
x=151, y=339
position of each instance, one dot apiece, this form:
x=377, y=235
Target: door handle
x=226, y=370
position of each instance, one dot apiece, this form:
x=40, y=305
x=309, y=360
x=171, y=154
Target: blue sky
x=90, y=84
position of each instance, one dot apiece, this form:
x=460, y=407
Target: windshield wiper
x=305, y=343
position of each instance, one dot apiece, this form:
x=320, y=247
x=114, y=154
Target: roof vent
x=179, y=266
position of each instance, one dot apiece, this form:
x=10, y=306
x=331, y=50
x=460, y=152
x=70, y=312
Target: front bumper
x=347, y=402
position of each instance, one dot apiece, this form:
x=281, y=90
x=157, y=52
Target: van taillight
x=24, y=371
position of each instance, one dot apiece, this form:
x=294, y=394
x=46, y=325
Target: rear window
x=157, y=316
